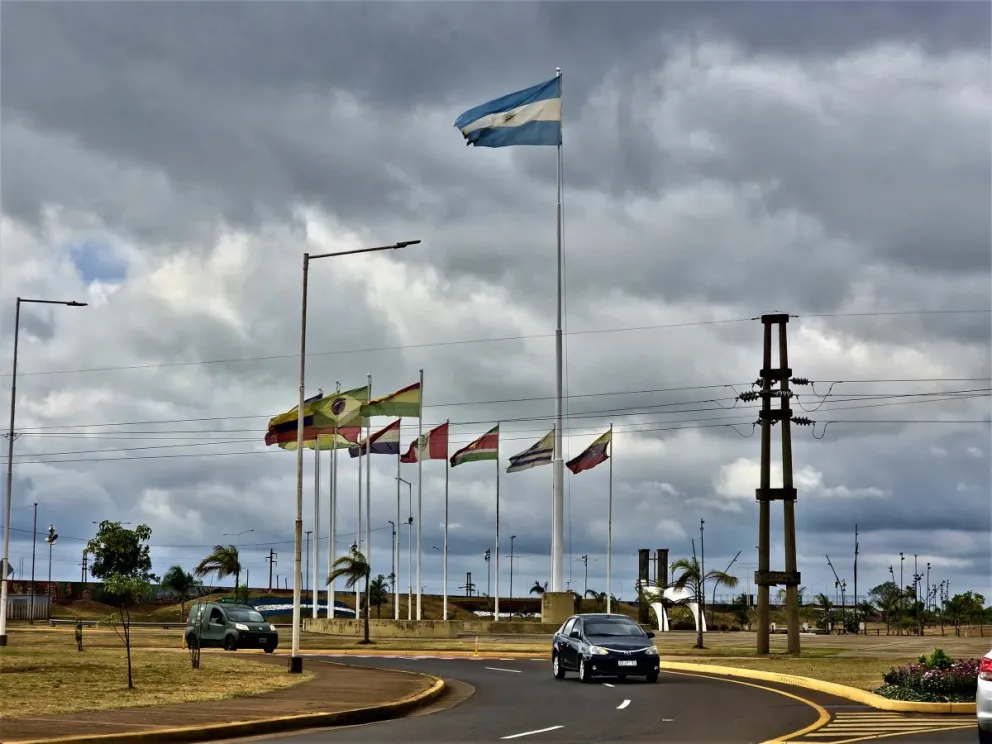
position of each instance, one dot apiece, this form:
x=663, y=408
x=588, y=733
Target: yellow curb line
x=830, y=688
x=280, y=724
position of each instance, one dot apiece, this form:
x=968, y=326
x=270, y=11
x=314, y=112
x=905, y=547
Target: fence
x=19, y=607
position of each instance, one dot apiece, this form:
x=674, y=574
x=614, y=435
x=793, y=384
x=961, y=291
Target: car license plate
x=261, y=640
x=627, y=662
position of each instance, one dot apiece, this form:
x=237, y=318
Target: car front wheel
x=652, y=677
x=984, y=737
x=556, y=666
x=584, y=675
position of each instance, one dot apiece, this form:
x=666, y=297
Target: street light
x=50, y=538
x=409, y=539
x=5, y=562
x=236, y=535
x=296, y=661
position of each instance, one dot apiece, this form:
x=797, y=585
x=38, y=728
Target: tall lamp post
x=409, y=540
x=512, y=538
x=50, y=538
x=5, y=562
x=296, y=661
x=392, y=564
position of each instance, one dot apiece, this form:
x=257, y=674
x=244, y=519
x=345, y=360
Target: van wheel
x=230, y=644
x=191, y=641
x=269, y=649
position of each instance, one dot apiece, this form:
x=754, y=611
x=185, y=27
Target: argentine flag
x=527, y=117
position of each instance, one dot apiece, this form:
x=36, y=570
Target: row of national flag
x=335, y=421
x=342, y=415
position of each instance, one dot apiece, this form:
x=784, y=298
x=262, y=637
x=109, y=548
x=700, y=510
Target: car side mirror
x=650, y=634
x=575, y=634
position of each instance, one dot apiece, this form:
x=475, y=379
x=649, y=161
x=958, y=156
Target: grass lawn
x=865, y=674
x=45, y=675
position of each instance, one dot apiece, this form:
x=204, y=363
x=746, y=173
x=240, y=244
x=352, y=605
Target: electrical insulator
x=802, y=421
x=748, y=396
x=800, y=381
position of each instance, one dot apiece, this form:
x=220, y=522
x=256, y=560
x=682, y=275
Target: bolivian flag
x=404, y=403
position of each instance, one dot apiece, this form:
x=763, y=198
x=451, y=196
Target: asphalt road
x=519, y=700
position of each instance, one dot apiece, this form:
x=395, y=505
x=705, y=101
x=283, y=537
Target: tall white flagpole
x=558, y=532
x=444, y=570
x=316, y=527
x=609, y=535
x=368, y=500
x=332, y=508
x=496, y=595
x=420, y=503
x=396, y=546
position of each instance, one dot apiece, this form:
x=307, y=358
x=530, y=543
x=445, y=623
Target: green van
x=229, y=626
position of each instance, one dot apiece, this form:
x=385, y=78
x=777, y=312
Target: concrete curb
x=830, y=688
x=281, y=724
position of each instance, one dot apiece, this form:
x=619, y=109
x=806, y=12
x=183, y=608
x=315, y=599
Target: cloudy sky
x=169, y=164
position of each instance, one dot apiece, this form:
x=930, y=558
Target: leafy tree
x=354, y=568
x=690, y=576
x=741, y=610
x=379, y=593
x=180, y=583
x=121, y=558
x=116, y=549
x=886, y=597
x=539, y=588
x=223, y=561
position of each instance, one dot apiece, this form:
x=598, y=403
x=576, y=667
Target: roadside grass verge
x=864, y=674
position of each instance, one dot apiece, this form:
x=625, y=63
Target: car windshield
x=607, y=627
x=244, y=615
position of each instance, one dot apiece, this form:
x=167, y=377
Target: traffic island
x=332, y=695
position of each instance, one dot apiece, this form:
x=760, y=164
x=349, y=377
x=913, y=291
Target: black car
x=600, y=645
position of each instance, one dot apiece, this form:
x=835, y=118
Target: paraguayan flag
x=527, y=117
x=540, y=453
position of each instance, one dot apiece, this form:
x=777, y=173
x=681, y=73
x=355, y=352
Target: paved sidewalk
x=335, y=688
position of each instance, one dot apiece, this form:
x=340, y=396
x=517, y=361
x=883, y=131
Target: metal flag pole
x=396, y=541
x=558, y=532
x=444, y=570
x=496, y=595
x=609, y=535
x=368, y=501
x=332, y=508
x=420, y=503
x=316, y=527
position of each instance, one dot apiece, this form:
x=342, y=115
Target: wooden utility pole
x=765, y=578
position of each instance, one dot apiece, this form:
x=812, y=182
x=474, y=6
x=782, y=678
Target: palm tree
x=379, y=593
x=223, y=561
x=600, y=598
x=539, y=588
x=692, y=578
x=826, y=606
x=353, y=568
x=180, y=583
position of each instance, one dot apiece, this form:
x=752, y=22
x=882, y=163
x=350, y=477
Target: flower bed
x=933, y=679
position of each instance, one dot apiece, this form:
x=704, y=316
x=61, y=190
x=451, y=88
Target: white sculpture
x=680, y=596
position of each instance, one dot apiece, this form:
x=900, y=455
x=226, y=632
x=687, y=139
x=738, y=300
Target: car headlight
x=241, y=626
x=651, y=651
x=598, y=651
x=272, y=627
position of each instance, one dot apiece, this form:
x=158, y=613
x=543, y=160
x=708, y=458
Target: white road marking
x=531, y=733
x=668, y=720
x=607, y=684
x=623, y=705
x=500, y=669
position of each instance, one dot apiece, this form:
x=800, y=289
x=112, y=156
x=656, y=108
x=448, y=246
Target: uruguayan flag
x=527, y=117
x=540, y=453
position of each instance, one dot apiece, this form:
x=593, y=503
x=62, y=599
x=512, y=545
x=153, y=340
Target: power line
x=953, y=395
x=728, y=423
x=732, y=386
x=498, y=339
